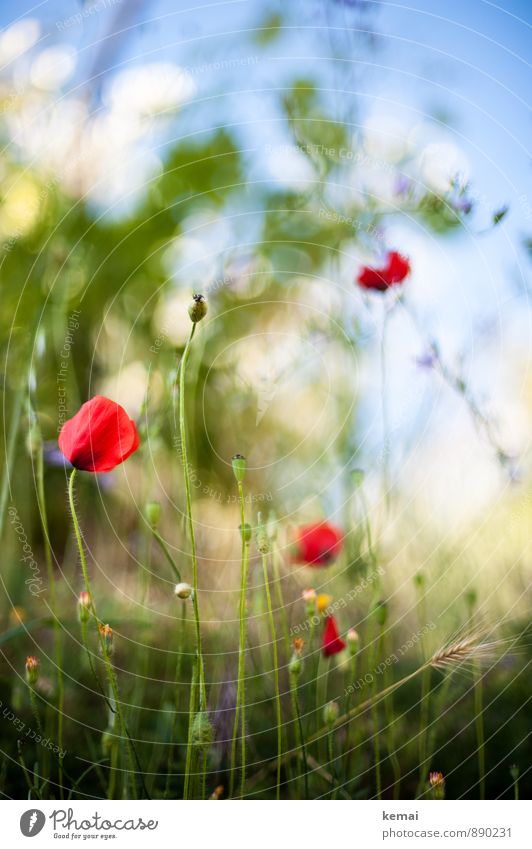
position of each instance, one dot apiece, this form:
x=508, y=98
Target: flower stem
x=240, y=707
x=299, y=731
x=53, y=606
x=109, y=670
x=191, y=714
x=166, y=552
x=275, y=673
x=190, y=523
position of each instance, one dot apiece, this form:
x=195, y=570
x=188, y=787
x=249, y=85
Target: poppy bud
x=239, y=467
x=437, y=785
x=330, y=713
x=245, y=532
x=84, y=606
x=471, y=599
x=514, y=772
x=295, y=666
x=32, y=670
x=197, y=308
x=153, y=513
x=353, y=641
x=106, y=633
x=309, y=597
x=419, y=579
x=202, y=731
x=183, y=590
x=217, y=792
x=381, y=612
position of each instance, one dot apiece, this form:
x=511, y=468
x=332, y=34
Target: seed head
x=239, y=467
x=202, y=731
x=197, y=308
x=263, y=542
x=32, y=670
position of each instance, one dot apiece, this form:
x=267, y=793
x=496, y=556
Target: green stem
x=191, y=714
x=479, y=726
x=190, y=523
x=300, y=737
x=390, y=722
x=109, y=670
x=167, y=554
x=240, y=707
x=53, y=606
x=179, y=666
x=330, y=754
x=275, y=672
x=280, y=603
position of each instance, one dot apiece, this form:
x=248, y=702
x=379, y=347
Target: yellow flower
x=323, y=601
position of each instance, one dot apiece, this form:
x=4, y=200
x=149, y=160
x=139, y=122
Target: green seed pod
x=419, y=579
x=245, y=532
x=357, y=476
x=153, y=513
x=239, y=467
x=331, y=712
x=202, y=731
x=381, y=612
x=197, y=308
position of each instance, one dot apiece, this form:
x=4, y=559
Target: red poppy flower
x=318, y=544
x=394, y=271
x=331, y=642
x=99, y=437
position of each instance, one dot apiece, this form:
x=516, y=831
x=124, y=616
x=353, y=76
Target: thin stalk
x=275, y=673
x=191, y=714
x=179, y=665
x=330, y=755
x=353, y=674
x=167, y=554
x=240, y=707
x=390, y=721
x=280, y=602
x=479, y=727
x=109, y=670
x=375, y=716
x=424, y=710
x=300, y=737
x=53, y=605
x=190, y=523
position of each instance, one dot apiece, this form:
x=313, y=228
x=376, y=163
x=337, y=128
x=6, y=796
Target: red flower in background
x=331, y=642
x=318, y=544
x=395, y=270
x=99, y=437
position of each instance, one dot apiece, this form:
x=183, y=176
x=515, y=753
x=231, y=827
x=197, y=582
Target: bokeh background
x=260, y=153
